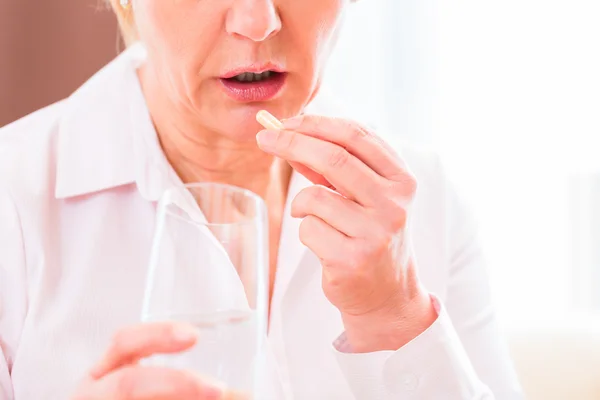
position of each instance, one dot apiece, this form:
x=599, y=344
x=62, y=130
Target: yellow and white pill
x=268, y=120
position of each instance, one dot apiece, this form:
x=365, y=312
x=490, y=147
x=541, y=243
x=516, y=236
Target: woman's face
x=199, y=52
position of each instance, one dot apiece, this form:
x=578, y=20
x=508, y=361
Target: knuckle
x=397, y=219
x=118, y=344
x=331, y=282
x=334, y=262
x=297, y=206
x=338, y=158
x=286, y=141
x=316, y=194
x=301, y=119
x=305, y=200
x=335, y=273
x=382, y=246
x=361, y=257
x=301, y=205
x=374, y=248
x=357, y=131
x=328, y=263
x=306, y=227
x=405, y=184
x=316, y=122
x=348, y=258
x=411, y=183
x=308, y=194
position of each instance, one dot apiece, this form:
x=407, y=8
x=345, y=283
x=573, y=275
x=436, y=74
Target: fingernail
x=292, y=123
x=184, y=333
x=267, y=138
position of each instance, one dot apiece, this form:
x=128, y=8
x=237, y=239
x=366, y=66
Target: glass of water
x=209, y=268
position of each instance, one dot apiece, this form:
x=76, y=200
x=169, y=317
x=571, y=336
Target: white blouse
x=79, y=181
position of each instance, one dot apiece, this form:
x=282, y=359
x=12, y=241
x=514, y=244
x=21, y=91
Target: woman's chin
x=239, y=125
x=238, y=129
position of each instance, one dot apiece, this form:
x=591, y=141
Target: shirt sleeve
x=12, y=289
x=461, y=355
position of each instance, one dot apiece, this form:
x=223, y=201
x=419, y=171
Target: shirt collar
x=106, y=137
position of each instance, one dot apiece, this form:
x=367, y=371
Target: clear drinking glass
x=209, y=268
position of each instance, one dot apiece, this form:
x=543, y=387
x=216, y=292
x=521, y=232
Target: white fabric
x=78, y=188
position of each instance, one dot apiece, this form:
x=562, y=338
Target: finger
x=311, y=175
x=152, y=383
x=354, y=137
x=350, y=176
x=329, y=244
x=342, y=214
x=140, y=341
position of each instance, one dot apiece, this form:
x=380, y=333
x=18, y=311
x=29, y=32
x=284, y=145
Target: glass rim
x=260, y=203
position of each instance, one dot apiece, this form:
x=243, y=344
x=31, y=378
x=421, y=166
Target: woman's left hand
x=355, y=221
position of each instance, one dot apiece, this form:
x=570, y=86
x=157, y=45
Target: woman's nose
x=256, y=20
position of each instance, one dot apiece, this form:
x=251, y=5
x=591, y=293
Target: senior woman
x=79, y=182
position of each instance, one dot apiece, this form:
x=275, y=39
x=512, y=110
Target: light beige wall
x=48, y=48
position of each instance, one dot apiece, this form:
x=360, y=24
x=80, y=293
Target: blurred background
x=49, y=48
x=507, y=91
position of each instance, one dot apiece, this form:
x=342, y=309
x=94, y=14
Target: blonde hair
x=126, y=22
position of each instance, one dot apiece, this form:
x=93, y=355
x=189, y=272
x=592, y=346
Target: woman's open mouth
x=254, y=87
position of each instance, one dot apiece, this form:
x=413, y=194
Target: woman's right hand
x=118, y=376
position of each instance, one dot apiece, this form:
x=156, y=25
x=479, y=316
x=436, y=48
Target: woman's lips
x=248, y=92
